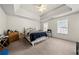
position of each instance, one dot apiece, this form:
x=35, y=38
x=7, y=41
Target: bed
x=34, y=36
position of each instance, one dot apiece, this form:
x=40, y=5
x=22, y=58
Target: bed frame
x=37, y=40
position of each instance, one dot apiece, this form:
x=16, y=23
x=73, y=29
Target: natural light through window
x=45, y=26
x=62, y=26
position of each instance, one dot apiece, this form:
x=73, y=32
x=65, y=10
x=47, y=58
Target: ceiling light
x=41, y=7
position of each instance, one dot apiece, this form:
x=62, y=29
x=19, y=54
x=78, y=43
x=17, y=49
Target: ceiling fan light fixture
x=41, y=8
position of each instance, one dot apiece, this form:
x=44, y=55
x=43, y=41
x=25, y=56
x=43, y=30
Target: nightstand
x=49, y=33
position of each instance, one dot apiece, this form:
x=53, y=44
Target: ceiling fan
x=41, y=7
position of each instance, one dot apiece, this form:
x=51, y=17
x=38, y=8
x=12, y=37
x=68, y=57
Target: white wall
x=22, y=19
x=18, y=23
x=73, y=34
x=3, y=21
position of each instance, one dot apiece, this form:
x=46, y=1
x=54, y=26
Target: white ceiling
x=28, y=10
x=32, y=7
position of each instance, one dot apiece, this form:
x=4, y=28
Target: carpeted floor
x=50, y=46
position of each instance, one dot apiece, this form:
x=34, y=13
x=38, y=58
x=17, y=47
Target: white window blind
x=62, y=26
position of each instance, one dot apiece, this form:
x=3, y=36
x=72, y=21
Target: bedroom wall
x=18, y=23
x=73, y=34
x=3, y=21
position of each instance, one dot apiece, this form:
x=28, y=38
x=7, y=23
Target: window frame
x=63, y=27
x=45, y=26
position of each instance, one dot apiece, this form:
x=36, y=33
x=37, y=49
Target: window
x=62, y=26
x=45, y=26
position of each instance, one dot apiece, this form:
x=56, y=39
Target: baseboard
x=63, y=39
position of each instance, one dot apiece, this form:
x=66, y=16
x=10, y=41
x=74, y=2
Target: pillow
x=28, y=30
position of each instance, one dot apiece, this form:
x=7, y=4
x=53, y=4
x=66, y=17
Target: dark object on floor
x=4, y=41
x=77, y=48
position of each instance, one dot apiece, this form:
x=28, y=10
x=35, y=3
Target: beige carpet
x=50, y=46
